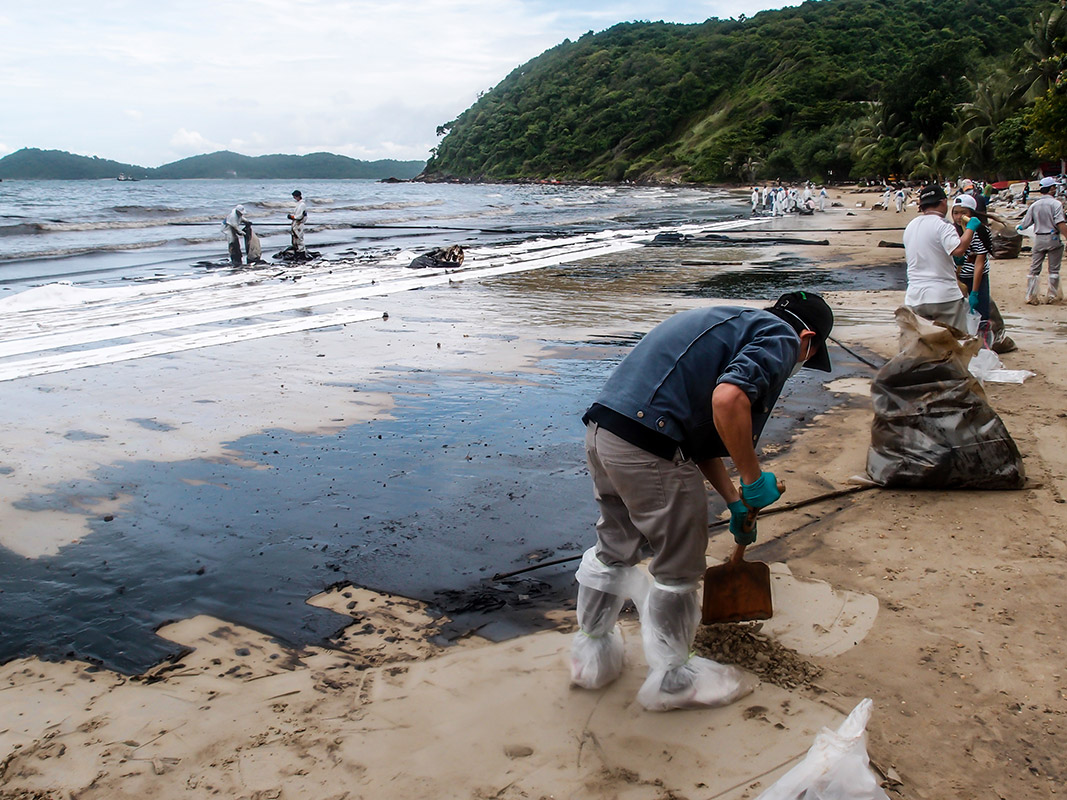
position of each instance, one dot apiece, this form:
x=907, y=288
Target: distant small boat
x=124, y=177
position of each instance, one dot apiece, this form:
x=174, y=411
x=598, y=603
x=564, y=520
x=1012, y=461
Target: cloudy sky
x=151, y=82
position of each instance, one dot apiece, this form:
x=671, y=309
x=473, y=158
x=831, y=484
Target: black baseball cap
x=813, y=314
x=931, y=195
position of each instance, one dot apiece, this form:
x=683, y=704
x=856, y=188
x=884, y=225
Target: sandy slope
x=945, y=608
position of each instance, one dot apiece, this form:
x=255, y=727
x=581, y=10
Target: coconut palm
x=1042, y=55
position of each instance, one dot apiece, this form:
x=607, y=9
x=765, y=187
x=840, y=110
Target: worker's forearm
x=979, y=273
x=733, y=422
x=715, y=471
x=965, y=242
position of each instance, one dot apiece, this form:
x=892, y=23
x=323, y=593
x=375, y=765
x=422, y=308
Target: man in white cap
x=930, y=243
x=1050, y=225
x=234, y=227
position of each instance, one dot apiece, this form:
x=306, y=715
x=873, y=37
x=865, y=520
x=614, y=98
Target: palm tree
x=1042, y=55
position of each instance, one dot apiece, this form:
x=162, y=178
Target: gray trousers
x=1045, y=244
x=953, y=313
x=296, y=233
x=648, y=502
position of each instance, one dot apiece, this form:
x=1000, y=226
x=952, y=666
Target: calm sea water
x=100, y=231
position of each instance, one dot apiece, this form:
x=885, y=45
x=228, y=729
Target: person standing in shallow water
x=298, y=217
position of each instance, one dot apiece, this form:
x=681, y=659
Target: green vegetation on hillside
x=33, y=164
x=30, y=163
x=832, y=88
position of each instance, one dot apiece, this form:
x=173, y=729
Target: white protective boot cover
x=676, y=678
x=597, y=649
x=596, y=652
x=1032, y=289
x=1055, y=293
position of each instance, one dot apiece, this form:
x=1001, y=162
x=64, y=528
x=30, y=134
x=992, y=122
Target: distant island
x=33, y=164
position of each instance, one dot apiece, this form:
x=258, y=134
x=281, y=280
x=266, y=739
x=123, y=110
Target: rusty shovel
x=738, y=590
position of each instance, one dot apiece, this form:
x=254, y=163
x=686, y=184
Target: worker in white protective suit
x=235, y=226
x=698, y=387
x=296, y=228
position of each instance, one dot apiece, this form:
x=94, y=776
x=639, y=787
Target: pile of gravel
x=745, y=646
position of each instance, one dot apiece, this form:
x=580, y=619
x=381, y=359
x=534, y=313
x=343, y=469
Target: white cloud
x=191, y=142
x=147, y=83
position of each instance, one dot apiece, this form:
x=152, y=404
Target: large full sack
x=1006, y=246
x=933, y=428
x=255, y=249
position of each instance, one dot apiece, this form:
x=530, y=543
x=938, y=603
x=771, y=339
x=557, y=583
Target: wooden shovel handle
x=738, y=555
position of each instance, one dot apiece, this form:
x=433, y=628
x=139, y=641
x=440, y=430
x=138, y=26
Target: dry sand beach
x=945, y=608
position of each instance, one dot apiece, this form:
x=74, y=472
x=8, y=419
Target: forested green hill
x=31, y=163
x=225, y=164
x=832, y=87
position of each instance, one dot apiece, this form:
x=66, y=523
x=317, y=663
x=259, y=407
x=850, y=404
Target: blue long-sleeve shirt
x=659, y=397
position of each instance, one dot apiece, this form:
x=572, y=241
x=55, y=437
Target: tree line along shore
x=826, y=91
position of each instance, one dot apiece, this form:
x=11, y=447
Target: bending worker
x=235, y=226
x=698, y=387
x=296, y=230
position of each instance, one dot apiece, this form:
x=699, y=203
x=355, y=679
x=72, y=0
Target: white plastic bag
x=987, y=368
x=835, y=768
x=974, y=321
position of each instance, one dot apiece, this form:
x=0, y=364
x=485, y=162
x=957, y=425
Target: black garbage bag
x=1006, y=246
x=441, y=258
x=933, y=427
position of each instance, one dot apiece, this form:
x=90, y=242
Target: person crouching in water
x=973, y=272
x=235, y=226
x=698, y=387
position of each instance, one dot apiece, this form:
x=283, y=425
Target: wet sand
x=932, y=604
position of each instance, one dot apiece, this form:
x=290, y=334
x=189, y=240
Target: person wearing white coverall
x=235, y=226
x=698, y=387
x=298, y=217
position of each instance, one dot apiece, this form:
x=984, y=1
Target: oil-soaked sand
x=471, y=473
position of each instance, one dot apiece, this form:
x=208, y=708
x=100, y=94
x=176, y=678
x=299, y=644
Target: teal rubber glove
x=972, y=298
x=738, y=514
x=974, y=224
x=761, y=492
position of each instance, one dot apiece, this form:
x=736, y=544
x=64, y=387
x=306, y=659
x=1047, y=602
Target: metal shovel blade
x=737, y=591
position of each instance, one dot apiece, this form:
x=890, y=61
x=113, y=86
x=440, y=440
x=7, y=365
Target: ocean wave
x=61, y=227
x=60, y=252
x=391, y=206
x=146, y=210
x=271, y=204
x=21, y=229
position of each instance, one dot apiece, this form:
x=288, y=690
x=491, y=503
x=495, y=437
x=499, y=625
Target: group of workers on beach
x=238, y=226
x=949, y=246
x=780, y=200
